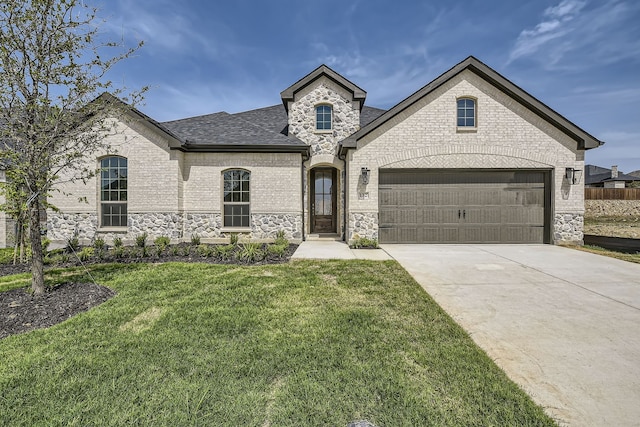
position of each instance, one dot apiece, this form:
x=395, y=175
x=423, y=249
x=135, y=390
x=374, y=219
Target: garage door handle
x=458, y=213
x=464, y=213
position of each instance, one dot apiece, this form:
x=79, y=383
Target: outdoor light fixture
x=365, y=172
x=573, y=175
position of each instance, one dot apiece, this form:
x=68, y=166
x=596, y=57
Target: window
x=466, y=112
x=113, y=192
x=236, y=198
x=323, y=117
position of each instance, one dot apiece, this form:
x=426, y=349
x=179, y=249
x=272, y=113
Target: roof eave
x=238, y=148
x=288, y=94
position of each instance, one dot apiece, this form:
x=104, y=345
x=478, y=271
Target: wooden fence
x=612, y=193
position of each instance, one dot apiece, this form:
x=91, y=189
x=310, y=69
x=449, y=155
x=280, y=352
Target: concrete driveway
x=563, y=324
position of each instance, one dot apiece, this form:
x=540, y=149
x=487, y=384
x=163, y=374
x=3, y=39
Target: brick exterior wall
x=508, y=136
x=177, y=194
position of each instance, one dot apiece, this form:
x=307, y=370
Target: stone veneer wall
x=363, y=224
x=568, y=228
x=302, y=118
x=62, y=226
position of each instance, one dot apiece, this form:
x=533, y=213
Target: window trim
x=465, y=128
x=234, y=228
x=315, y=112
x=101, y=226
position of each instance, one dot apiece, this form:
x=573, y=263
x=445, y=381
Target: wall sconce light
x=573, y=175
x=365, y=173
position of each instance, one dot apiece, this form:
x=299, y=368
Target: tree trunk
x=37, y=258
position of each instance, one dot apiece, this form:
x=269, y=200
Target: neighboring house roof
x=596, y=175
x=289, y=93
x=584, y=140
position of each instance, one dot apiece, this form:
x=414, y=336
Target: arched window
x=113, y=192
x=323, y=117
x=236, y=198
x=466, y=112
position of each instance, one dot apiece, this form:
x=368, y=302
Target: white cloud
x=573, y=36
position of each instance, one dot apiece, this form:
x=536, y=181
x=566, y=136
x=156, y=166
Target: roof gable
x=322, y=71
x=584, y=140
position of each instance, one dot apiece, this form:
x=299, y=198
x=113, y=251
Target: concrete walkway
x=330, y=249
x=563, y=324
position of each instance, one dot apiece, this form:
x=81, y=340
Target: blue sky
x=580, y=57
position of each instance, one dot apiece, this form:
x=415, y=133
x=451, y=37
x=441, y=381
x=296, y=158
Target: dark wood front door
x=323, y=201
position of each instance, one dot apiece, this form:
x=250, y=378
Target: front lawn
x=302, y=344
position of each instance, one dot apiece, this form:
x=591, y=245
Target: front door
x=323, y=201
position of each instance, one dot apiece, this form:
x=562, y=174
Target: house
x=596, y=176
x=468, y=158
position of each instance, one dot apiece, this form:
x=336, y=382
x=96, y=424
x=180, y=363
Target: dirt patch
x=142, y=321
x=21, y=312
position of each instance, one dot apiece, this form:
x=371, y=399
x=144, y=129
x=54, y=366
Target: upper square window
x=466, y=112
x=113, y=192
x=323, y=117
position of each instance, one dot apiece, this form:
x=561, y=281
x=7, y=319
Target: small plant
x=224, y=251
x=86, y=253
x=233, y=239
x=117, y=242
x=280, y=238
x=195, y=239
x=73, y=244
x=118, y=251
x=161, y=243
x=363, y=242
x=175, y=250
x=251, y=252
x=278, y=250
x=204, y=250
x=99, y=244
x=141, y=240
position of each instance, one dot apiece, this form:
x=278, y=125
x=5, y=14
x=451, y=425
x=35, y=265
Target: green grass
x=6, y=255
x=612, y=254
x=306, y=343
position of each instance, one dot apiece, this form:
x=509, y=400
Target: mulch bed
x=21, y=312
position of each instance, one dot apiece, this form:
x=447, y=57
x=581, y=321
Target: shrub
x=251, y=251
x=117, y=242
x=118, y=251
x=233, y=239
x=86, y=253
x=99, y=244
x=141, y=240
x=175, y=250
x=276, y=249
x=281, y=239
x=195, y=239
x=224, y=251
x=204, y=250
x=161, y=243
x=363, y=242
x=73, y=244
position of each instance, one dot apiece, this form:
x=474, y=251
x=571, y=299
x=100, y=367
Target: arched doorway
x=323, y=200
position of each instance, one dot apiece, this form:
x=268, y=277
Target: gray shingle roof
x=230, y=130
x=264, y=126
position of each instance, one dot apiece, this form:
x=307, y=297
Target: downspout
x=303, y=159
x=344, y=195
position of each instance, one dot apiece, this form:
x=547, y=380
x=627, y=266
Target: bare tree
x=53, y=67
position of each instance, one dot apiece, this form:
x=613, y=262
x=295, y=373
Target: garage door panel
x=463, y=206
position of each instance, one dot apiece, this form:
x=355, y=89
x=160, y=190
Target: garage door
x=478, y=206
